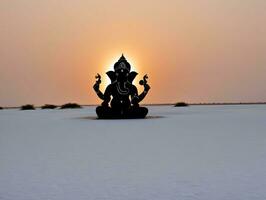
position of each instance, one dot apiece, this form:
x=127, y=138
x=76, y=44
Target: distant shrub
x=1, y=108
x=70, y=105
x=181, y=104
x=49, y=106
x=27, y=107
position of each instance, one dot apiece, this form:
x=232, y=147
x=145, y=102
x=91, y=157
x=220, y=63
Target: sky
x=193, y=51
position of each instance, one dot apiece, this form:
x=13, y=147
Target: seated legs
x=136, y=112
x=105, y=112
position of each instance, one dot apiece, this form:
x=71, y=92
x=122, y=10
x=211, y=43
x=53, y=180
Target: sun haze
x=193, y=51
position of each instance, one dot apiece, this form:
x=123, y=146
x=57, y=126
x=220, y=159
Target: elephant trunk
x=121, y=88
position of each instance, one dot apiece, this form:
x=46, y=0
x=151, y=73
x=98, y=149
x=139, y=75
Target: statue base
x=131, y=113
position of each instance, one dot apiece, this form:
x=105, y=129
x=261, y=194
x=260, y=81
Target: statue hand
x=145, y=84
x=96, y=86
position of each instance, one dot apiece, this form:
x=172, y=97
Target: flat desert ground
x=189, y=153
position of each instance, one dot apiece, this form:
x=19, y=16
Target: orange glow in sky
x=193, y=51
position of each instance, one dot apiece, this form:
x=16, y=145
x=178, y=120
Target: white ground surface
x=199, y=152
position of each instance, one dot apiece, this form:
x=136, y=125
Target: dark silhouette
x=125, y=98
x=1, y=108
x=27, y=107
x=181, y=104
x=49, y=106
x=70, y=105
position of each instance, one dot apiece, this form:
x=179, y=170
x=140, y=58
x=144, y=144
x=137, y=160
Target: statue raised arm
x=96, y=86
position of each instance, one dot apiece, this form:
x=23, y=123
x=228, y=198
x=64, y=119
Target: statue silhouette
x=124, y=95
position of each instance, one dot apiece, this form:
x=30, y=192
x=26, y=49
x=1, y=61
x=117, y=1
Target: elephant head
x=122, y=72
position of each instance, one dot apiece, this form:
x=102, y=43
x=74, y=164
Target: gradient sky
x=193, y=51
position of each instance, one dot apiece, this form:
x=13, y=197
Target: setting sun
x=109, y=66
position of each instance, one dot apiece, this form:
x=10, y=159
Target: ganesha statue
x=121, y=99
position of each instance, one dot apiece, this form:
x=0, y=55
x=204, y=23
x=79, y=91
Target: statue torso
x=120, y=93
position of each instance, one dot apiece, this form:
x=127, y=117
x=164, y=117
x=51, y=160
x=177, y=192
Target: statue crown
x=122, y=64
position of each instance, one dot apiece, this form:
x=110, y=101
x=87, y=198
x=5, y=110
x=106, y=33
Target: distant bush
x=181, y=104
x=70, y=105
x=27, y=107
x=49, y=106
x=1, y=108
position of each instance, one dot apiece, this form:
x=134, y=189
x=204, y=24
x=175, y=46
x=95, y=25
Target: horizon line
x=159, y=104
